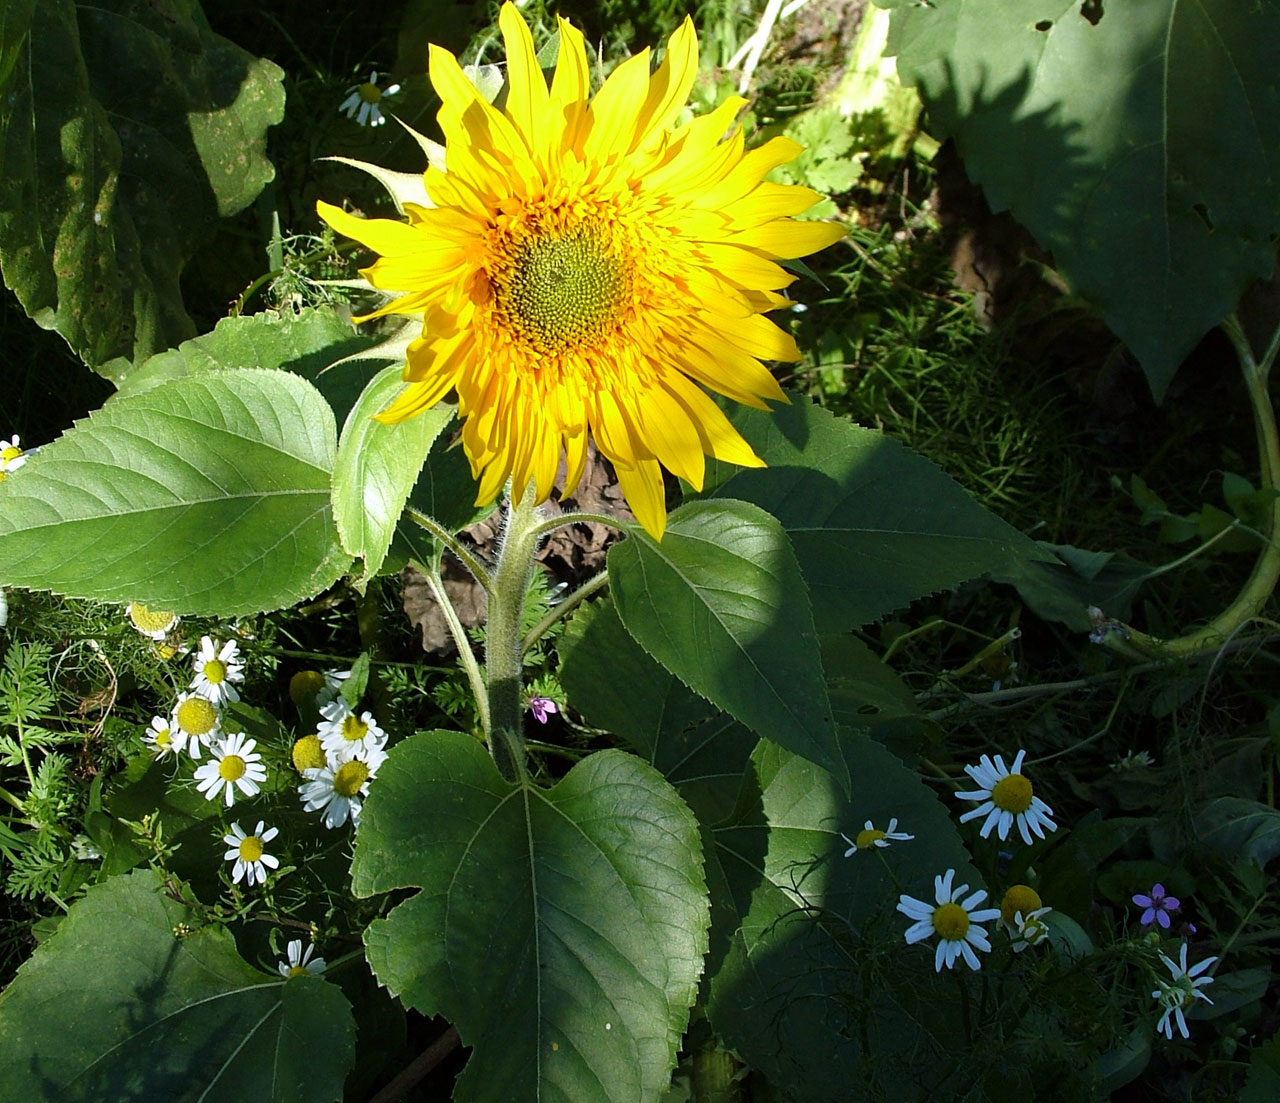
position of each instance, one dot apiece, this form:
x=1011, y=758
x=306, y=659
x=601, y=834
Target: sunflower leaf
x=874, y=525
x=205, y=495
x=807, y=953
x=167, y=1017
x=720, y=603
x=129, y=128
x=561, y=930
x=615, y=685
x=1148, y=145
x=377, y=466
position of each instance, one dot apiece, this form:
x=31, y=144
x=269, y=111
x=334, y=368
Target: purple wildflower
x=1158, y=905
x=542, y=707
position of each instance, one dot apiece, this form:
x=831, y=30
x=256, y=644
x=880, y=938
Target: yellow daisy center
x=349, y=777
x=10, y=453
x=215, y=671
x=867, y=838
x=163, y=739
x=1012, y=793
x=951, y=922
x=298, y=971
x=1019, y=898
x=231, y=768
x=557, y=291
x=197, y=716
x=353, y=728
x=308, y=753
x=251, y=848
x=304, y=686
x=369, y=92
x=145, y=620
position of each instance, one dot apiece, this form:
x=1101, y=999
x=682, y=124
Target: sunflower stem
x=503, y=651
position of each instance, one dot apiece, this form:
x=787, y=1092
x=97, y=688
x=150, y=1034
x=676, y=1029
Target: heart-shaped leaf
x=1147, y=139
x=561, y=930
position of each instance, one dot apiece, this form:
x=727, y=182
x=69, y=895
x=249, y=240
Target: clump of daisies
x=342, y=757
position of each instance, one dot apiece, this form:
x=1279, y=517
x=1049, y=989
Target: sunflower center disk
x=564, y=291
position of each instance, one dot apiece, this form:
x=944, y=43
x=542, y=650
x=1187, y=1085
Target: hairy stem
x=503, y=651
x=464, y=554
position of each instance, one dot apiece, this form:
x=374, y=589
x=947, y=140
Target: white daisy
x=1181, y=992
x=344, y=734
x=161, y=739
x=1008, y=797
x=362, y=101
x=337, y=788
x=870, y=836
x=155, y=623
x=332, y=688
x=11, y=456
x=300, y=963
x=952, y=920
x=216, y=669
x=249, y=852
x=1022, y=912
x=235, y=766
x=194, y=723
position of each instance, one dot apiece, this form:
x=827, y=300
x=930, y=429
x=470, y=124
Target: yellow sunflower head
x=586, y=265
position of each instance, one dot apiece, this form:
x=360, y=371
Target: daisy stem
x=503, y=653
x=562, y=608
x=466, y=656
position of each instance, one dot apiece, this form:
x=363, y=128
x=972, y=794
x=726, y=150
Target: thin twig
x=466, y=656
x=566, y=606
x=413, y=1073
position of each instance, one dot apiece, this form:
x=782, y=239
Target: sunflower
x=586, y=266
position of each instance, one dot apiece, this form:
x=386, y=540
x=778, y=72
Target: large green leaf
x=313, y=343
x=118, y=1006
x=128, y=128
x=1147, y=145
x=377, y=466
x=810, y=979
x=720, y=603
x=206, y=495
x=561, y=930
x=614, y=683
x=874, y=525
